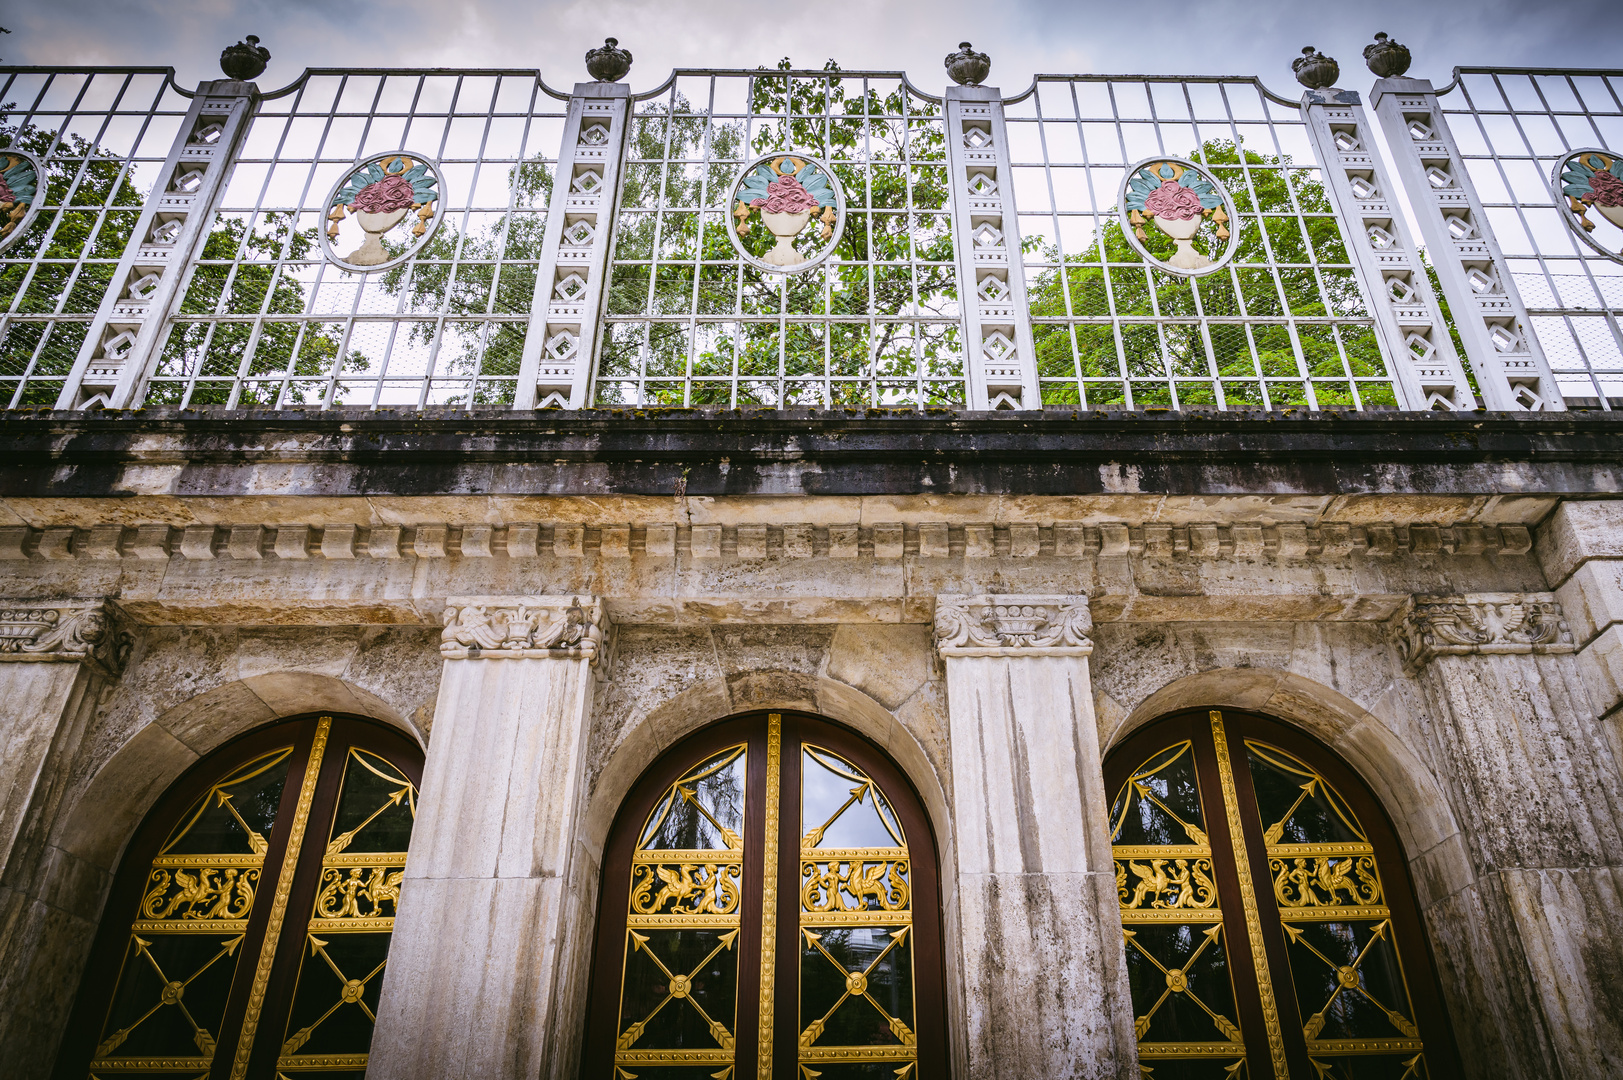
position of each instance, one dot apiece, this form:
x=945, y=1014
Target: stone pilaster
x=1536, y=941
x=485, y=949
x=56, y=657
x=1039, y=934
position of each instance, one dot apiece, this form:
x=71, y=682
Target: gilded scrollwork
x=1166, y=883
x=1325, y=881
x=201, y=893
x=686, y=888
x=855, y=885
x=359, y=892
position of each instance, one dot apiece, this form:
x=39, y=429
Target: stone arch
x=1407, y=788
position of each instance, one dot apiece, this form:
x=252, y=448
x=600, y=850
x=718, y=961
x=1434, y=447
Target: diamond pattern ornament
x=977, y=138
x=587, y=182
x=1380, y=239
x=1438, y=177
x=1364, y=188
x=988, y=235
x=167, y=232
x=1481, y=281
x=562, y=345
x=572, y=287
x=581, y=233
x=982, y=185
x=594, y=135
x=1400, y=290
x=1419, y=348
x=1419, y=130
x=141, y=288
x=997, y=346
x=993, y=289
x=1347, y=141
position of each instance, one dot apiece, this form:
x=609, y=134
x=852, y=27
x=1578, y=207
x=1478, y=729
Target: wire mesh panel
x=265, y=321
x=690, y=321
x=1513, y=128
x=102, y=136
x=1283, y=324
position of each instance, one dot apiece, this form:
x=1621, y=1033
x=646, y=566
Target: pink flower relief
x=786, y=195
x=6, y=194
x=1608, y=189
x=1174, y=202
x=382, y=196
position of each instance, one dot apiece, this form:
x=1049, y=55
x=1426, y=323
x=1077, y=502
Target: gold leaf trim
x=769, y=893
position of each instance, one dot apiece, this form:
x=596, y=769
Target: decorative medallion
x=1190, y=213
x=383, y=212
x=1592, y=179
x=19, y=194
x=789, y=211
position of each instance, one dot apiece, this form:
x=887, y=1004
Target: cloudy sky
x=1211, y=37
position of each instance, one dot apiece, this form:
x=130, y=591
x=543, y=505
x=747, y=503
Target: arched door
x=248, y=927
x=769, y=908
x=1269, y=921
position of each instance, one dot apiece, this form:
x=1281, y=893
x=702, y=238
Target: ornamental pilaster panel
x=1488, y=311
x=1036, y=888
x=128, y=332
x=999, y=356
x=494, y=917
x=1408, y=320
x=559, y=350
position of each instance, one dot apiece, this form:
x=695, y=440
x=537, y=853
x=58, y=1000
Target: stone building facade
x=985, y=615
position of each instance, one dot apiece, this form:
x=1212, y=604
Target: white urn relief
x=1177, y=216
x=789, y=212
x=383, y=212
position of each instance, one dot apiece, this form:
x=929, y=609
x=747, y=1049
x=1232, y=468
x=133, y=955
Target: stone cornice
x=1009, y=625
x=1480, y=624
x=521, y=627
x=78, y=630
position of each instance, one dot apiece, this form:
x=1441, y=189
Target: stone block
x=151, y=542
x=886, y=662
x=704, y=542
x=197, y=542
x=569, y=541
x=338, y=542
x=246, y=542
x=1204, y=542
x=428, y=541
x=1114, y=540
x=1247, y=541
x=1600, y=665
x=797, y=541
x=980, y=541
x=476, y=541
x=1070, y=540
x=102, y=542
x=660, y=541
x=615, y=542
x=1382, y=539
x=1592, y=597
x=293, y=542
x=1514, y=540
x=1292, y=541
x=752, y=541
x=887, y=541
x=934, y=540
x=522, y=540
x=12, y=540
x=842, y=541
x=55, y=543
x=1025, y=540
x=1578, y=531
x=383, y=541
x=1158, y=541
x=1335, y=540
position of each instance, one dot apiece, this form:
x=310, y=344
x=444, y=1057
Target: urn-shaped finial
x=245, y=60
x=966, y=67
x=1315, y=70
x=610, y=63
x=1386, y=58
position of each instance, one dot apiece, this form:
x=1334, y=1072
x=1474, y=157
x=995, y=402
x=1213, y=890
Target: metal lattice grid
x=1285, y=324
x=687, y=321
x=1512, y=126
x=102, y=135
x=264, y=321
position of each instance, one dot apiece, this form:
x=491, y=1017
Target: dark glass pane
x=1407, y=1066
x=1348, y=982
x=171, y=995
x=237, y=814
x=1173, y=971
x=337, y=995
x=1296, y=805
x=1160, y=802
x=856, y=986
x=376, y=808
x=680, y=990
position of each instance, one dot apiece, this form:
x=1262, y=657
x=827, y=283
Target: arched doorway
x=770, y=906
x=1269, y=922
x=248, y=926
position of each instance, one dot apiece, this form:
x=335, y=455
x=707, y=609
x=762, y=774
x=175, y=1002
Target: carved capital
x=84, y=631
x=1480, y=623
x=516, y=627
x=1013, y=625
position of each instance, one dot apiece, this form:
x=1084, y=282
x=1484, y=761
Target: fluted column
x=1538, y=940
x=56, y=656
x=1039, y=932
x=485, y=947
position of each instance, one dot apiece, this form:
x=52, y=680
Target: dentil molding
x=1482, y=624
x=519, y=627
x=1008, y=625
x=82, y=631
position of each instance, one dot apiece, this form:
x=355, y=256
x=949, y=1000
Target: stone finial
x=966, y=67
x=610, y=63
x=1315, y=70
x=1004, y=625
x=245, y=61
x=1386, y=58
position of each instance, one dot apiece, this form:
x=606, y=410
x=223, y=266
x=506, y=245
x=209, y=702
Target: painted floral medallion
x=788, y=212
x=1177, y=216
x=383, y=212
x=1589, y=190
x=19, y=194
